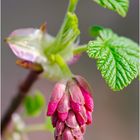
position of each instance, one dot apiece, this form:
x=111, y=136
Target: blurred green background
x=116, y=113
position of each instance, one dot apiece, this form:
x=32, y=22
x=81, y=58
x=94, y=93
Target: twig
x=17, y=100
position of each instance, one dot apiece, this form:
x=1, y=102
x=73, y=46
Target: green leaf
x=117, y=58
x=68, y=33
x=94, y=30
x=119, y=6
x=48, y=125
x=130, y=47
x=33, y=104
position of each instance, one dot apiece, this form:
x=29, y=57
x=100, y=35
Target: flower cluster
x=70, y=107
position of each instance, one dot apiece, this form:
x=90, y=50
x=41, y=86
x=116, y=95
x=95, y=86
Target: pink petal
x=74, y=59
x=58, y=92
x=60, y=127
x=71, y=120
x=59, y=138
x=23, y=32
x=89, y=104
x=54, y=119
x=26, y=54
x=51, y=108
x=76, y=94
x=89, y=117
x=86, y=90
x=56, y=96
x=62, y=116
x=75, y=106
x=63, y=107
x=82, y=116
x=83, y=83
x=25, y=44
x=76, y=132
x=67, y=135
x=83, y=128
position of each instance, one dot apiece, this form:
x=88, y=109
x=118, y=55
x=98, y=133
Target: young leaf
x=119, y=6
x=33, y=104
x=94, y=30
x=48, y=124
x=67, y=34
x=116, y=58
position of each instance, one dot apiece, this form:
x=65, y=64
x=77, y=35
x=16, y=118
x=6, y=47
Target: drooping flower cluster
x=71, y=106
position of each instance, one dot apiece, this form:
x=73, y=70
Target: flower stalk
x=79, y=49
x=17, y=100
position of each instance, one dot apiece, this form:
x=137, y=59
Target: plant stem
x=64, y=67
x=80, y=49
x=17, y=100
x=72, y=5
x=54, y=47
x=71, y=8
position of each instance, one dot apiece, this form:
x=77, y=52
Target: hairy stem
x=17, y=100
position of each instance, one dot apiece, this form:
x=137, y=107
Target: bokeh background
x=116, y=113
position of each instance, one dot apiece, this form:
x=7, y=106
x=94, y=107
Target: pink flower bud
x=83, y=128
x=67, y=135
x=71, y=108
x=71, y=120
x=76, y=94
x=82, y=82
x=75, y=106
x=63, y=107
x=88, y=100
x=86, y=91
x=82, y=116
x=56, y=96
x=59, y=127
x=76, y=132
x=54, y=119
x=89, y=117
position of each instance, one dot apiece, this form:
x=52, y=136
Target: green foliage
x=62, y=46
x=119, y=6
x=33, y=104
x=48, y=125
x=94, y=30
x=117, y=58
x=68, y=32
x=130, y=47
